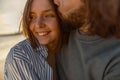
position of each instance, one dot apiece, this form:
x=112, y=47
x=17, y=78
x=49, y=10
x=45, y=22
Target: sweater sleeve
x=113, y=70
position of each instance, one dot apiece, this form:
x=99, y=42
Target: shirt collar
x=42, y=50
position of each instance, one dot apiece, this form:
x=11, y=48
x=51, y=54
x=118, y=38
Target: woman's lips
x=44, y=33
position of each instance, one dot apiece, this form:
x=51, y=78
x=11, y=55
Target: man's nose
x=57, y=2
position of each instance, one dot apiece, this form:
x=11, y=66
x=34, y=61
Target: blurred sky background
x=10, y=15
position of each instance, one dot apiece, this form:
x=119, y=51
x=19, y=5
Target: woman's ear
x=57, y=2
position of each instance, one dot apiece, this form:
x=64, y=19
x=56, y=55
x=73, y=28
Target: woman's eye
x=49, y=16
x=32, y=17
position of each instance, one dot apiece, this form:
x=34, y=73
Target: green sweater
x=89, y=58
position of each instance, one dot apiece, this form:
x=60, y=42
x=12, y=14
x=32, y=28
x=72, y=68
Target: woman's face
x=44, y=22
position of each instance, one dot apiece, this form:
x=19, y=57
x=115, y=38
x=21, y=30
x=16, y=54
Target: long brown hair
x=25, y=24
x=104, y=17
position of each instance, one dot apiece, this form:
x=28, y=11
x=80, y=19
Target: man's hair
x=103, y=16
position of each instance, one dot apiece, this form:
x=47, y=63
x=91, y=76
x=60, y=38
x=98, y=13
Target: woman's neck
x=52, y=49
x=52, y=62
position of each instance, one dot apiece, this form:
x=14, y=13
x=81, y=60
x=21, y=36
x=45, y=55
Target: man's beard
x=74, y=20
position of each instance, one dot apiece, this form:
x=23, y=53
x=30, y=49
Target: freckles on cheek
x=55, y=26
x=55, y=23
x=31, y=27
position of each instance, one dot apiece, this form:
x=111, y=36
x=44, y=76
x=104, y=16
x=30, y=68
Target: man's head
x=101, y=16
x=72, y=11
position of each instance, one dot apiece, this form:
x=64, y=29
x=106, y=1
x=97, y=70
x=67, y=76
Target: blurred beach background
x=10, y=16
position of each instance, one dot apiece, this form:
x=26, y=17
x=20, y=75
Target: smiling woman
x=10, y=13
x=34, y=58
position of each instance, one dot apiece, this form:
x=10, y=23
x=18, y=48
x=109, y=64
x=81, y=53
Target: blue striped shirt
x=25, y=63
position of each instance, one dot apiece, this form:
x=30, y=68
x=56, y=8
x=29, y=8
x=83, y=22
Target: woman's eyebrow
x=48, y=10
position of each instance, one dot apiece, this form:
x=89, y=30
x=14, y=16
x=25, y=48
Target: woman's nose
x=39, y=23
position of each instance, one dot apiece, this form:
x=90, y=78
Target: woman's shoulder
x=21, y=46
x=18, y=51
x=24, y=51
